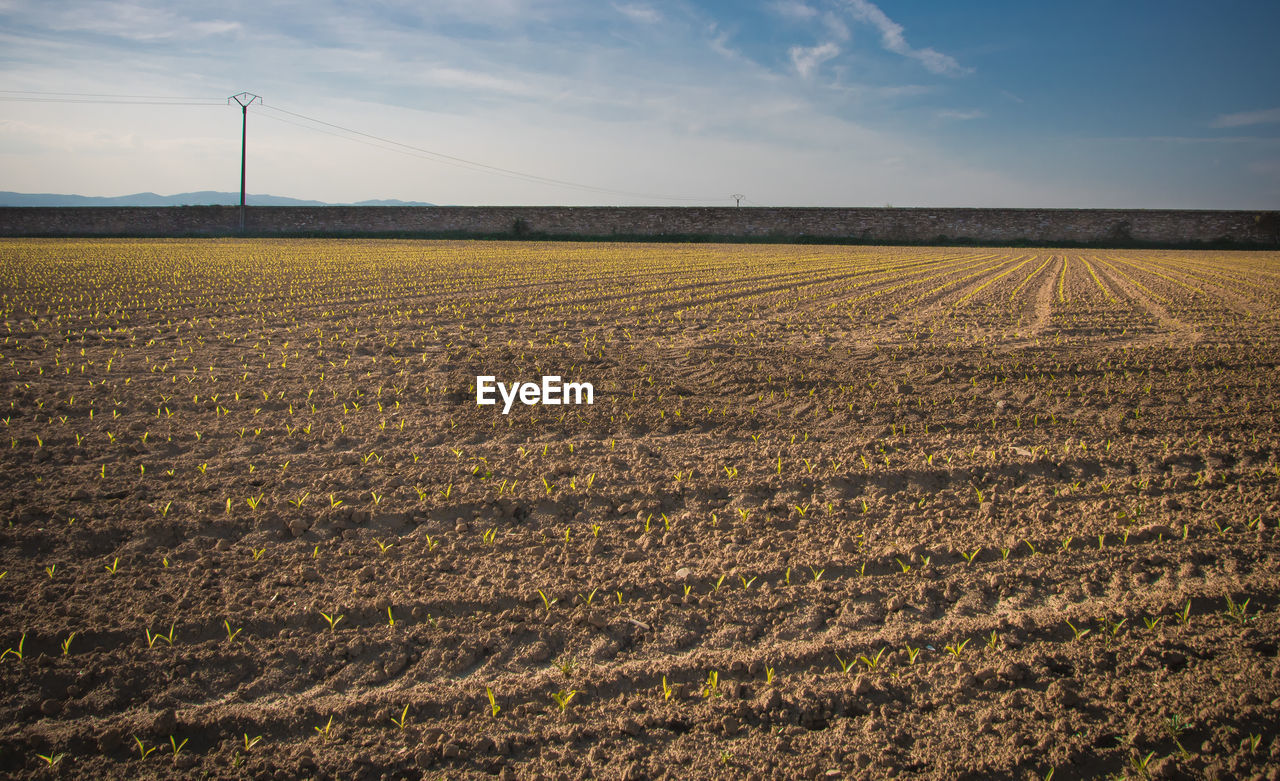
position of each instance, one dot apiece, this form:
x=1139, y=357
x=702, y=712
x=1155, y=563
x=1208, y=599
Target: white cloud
x=806, y=59
x=893, y=39
x=638, y=13
x=1246, y=118
x=794, y=9
x=960, y=114
x=473, y=80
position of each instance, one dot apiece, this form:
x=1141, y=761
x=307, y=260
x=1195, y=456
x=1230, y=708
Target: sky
x=1134, y=104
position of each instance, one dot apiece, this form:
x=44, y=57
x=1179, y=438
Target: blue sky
x=789, y=102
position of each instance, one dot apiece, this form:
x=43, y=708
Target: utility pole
x=737, y=199
x=244, y=99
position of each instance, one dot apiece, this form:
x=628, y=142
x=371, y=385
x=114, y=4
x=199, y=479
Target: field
x=834, y=512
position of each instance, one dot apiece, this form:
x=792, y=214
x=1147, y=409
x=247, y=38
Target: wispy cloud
x=1269, y=116
x=794, y=9
x=637, y=12
x=951, y=113
x=892, y=38
x=806, y=59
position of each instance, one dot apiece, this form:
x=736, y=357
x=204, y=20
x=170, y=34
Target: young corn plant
x=712, y=687
x=1078, y=634
x=494, y=708
x=872, y=662
x=400, y=722
x=562, y=699
x=16, y=652
x=144, y=750
x=52, y=760
x=1239, y=612
x=956, y=649
x=668, y=691
x=846, y=667
x=331, y=620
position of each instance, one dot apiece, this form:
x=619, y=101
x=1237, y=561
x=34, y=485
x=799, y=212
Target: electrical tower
x=737, y=199
x=244, y=99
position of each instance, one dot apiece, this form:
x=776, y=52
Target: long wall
x=1120, y=227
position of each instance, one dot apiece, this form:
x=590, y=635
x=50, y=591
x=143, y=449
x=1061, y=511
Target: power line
x=387, y=144
x=105, y=101
x=98, y=95
x=492, y=169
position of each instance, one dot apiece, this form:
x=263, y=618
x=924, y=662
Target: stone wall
x=1118, y=227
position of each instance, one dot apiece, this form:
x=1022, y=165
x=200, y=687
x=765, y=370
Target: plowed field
x=835, y=512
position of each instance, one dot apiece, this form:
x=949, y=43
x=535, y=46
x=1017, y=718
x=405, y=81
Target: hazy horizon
x=788, y=102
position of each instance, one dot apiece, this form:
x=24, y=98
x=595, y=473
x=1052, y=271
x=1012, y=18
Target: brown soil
x=1027, y=498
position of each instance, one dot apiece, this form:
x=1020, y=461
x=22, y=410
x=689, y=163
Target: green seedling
x=567, y=666
x=176, y=746
x=746, y=583
x=817, y=573
x=400, y=722
x=563, y=699
x=1184, y=615
x=251, y=742
x=66, y=644
x=718, y=582
x=257, y=553
x=872, y=662
x=1113, y=627
x=152, y=638
x=712, y=687
x=324, y=732
x=845, y=667
x=391, y=619
x=16, y=652
x=1175, y=726
x=993, y=640
x=547, y=602
x=50, y=570
x=1066, y=543
x=1140, y=763
x=1152, y=623
x=668, y=691
x=143, y=750
x=331, y=620
x=1078, y=634
x=970, y=556
x=1030, y=547
x=912, y=653
x=1004, y=553
x=1239, y=612
x=494, y=708
x=905, y=567
x=113, y=566
x=52, y=760
x=383, y=547
x=768, y=676
x=956, y=649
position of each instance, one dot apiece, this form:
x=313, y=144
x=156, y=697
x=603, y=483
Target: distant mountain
x=203, y=198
